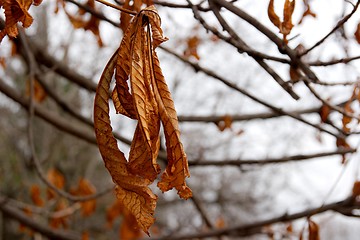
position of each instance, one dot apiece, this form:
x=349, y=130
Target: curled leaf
x=140, y=93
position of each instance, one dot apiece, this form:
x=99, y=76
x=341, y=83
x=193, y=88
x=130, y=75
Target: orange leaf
x=274, y=18
x=15, y=11
x=85, y=188
x=92, y=24
x=225, y=123
x=313, y=230
x=345, y=119
x=57, y=179
x=356, y=189
x=148, y=100
x=39, y=92
x=36, y=196
x=192, y=45
x=61, y=221
x=287, y=25
x=85, y=236
x=324, y=112
x=132, y=190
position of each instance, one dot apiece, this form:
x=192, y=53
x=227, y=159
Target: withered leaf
x=274, y=18
x=346, y=119
x=324, y=112
x=357, y=33
x=85, y=188
x=286, y=25
x=16, y=11
x=132, y=190
x=140, y=93
x=57, y=179
x=79, y=21
x=313, y=230
x=35, y=195
x=356, y=189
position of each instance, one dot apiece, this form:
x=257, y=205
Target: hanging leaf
x=345, y=119
x=39, y=92
x=286, y=25
x=313, y=230
x=35, y=195
x=225, y=123
x=92, y=24
x=85, y=188
x=357, y=33
x=324, y=112
x=307, y=12
x=274, y=18
x=60, y=222
x=140, y=93
x=16, y=11
x=57, y=179
x=191, y=49
x=356, y=189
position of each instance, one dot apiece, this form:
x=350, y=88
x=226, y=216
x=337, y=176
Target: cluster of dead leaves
x=16, y=11
x=147, y=100
x=83, y=20
x=325, y=112
x=60, y=206
x=286, y=25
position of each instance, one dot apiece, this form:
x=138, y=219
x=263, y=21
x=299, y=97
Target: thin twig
x=338, y=25
x=286, y=159
x=117, y=7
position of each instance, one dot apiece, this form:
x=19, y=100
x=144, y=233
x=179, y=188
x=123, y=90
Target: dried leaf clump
x=286, y=25
x=16, y=11
x=146, y=99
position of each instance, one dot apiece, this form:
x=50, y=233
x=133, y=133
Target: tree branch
x=36, y=226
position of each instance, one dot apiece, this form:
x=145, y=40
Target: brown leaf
x=345, y=119
x=85, y=188
x=274, y=18
x=16, y=11
x=39, y=92
x=132, y=190
x=324, y=112
x=225, y=123
x=307, y=12
x=313, y=230
x=192, y=45
x=35, y=195
x=92, y=24
x=62, y=221
x=57, y=179
x=287, y=25
x=357, y=33
x=356, y=189
x=147, y=100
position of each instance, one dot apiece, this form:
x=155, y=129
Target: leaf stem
x=117, y=7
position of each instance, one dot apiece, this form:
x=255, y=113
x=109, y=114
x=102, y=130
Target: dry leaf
x=274, y=18
x=142, y=94
x=35, y=195
x=192, y=45
x=324, y=112
x=85, y=188
x=39, y=92
x=286, y=25
x=307, y=12
x=356, y=189
x=85, y=236
x=59, y=222
x=313, y=230
x=92, y=24
x=225, y=123
x=357, y=33
x=57, y=179
x=345, y=119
